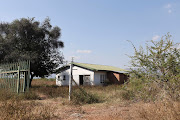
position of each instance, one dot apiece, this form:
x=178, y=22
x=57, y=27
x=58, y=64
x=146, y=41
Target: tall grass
x=20, y=110
x=160, y=110
x=8, y=95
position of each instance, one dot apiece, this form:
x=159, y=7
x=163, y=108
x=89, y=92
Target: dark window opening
x=64, y=77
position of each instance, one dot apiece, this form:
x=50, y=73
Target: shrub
x=82, y=97
x=156, y=73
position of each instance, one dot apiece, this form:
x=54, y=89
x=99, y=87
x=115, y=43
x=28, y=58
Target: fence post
x=18, y=79
x=28, y=75
x=70, y=81
x=24, y=83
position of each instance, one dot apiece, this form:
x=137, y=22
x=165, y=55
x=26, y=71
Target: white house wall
x=76, y=72
x=97, y=77
x=60, y=81
x=81, y=71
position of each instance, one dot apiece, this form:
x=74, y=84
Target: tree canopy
x=160, y=60
x=28, y=39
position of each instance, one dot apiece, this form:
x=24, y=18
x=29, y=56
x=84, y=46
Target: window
x=102, y=78
x=64, y=77
x=86, y=80
x=59, y=78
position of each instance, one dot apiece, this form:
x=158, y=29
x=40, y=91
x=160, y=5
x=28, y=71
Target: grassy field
x=46, y=101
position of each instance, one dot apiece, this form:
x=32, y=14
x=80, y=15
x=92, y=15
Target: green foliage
x=157, y=73
x=161, y=60
x=82, y=97
x=27, y=39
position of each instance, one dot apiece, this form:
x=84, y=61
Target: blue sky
x=96, y=31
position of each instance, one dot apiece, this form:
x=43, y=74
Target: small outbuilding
x=91, y=74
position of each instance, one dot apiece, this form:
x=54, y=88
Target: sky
x=96, y=31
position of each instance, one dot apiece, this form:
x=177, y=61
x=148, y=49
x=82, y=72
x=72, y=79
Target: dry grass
x=21, y=110
x=46, y=101
x=161, y=110
x=43, y=82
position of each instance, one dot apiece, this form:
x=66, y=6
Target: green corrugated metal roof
x=95, y=67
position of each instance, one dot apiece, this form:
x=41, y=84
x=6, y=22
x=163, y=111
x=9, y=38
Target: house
x=91, y=74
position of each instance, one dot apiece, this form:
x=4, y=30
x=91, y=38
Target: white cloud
x=169, y=11
x=156, y=37
x=84, y=51
x=169, y=8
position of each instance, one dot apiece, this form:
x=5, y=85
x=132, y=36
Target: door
x=80, y=79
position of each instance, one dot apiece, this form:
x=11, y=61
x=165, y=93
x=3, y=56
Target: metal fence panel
x=15, y=76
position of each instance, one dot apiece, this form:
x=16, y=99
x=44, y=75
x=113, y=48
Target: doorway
x=80, y=79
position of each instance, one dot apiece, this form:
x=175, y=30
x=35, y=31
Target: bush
x=140, y=89
x=82, y=97
x=156, y=73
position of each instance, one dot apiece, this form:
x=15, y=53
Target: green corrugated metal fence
x=15, y=76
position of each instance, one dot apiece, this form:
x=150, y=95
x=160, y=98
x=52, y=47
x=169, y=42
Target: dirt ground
x=106, y=111
x=115, y=110
x=100, y=111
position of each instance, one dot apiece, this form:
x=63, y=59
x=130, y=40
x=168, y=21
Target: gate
x=15, y=76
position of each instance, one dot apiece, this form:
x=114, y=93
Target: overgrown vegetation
x=15, y=106
x=19, y=110
x=8, y=95
x=80, y=96
x=156, y=72
x=160, y=110
x=51, y=91
x=155, y=80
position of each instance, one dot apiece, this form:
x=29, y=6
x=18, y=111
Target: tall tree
x=27, y=39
